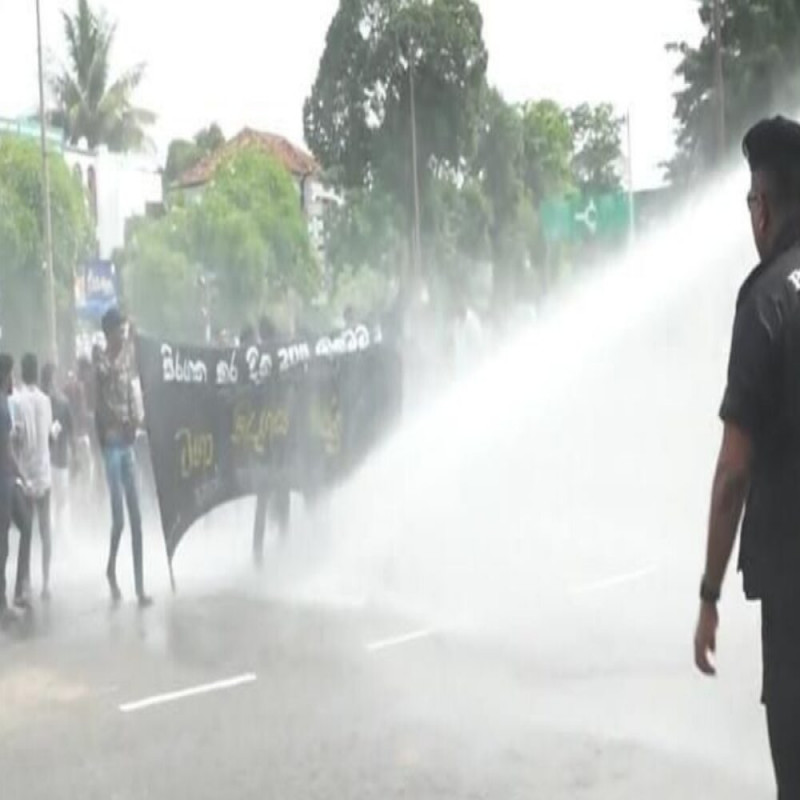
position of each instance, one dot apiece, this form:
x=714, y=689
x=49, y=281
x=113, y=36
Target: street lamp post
x=48, y=219
x=415, y=170
x=719, y=81
x=631, y=193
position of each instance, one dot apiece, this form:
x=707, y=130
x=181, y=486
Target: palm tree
x=89, y=105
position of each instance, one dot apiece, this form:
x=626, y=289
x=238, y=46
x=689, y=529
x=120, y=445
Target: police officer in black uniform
x=758, y=469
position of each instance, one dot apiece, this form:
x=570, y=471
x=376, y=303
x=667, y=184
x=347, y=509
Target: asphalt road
x=350, y=701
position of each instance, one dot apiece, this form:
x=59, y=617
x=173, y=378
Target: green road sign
x=580, y=218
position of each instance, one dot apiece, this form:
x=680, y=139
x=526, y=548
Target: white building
x=118, y=187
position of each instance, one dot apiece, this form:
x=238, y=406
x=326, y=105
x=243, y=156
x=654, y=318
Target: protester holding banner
x=225, y=423
x=88, y=381
x=273, y=503
x=117, y=422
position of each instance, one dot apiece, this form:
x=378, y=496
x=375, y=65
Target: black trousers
x=783, y=721
x=780, y=631
x=16, y=508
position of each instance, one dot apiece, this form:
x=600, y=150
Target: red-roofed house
x=298, y=162
x=301, y=165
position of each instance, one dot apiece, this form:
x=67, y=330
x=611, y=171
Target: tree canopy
x=358, y=116
x=761, y=69
x=183, y=154
x=90, y=104
x=596, y=148
x=22, y=254
x=245, y=242
x=484, y=165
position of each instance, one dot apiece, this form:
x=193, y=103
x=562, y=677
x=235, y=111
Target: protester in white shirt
x=33, y=422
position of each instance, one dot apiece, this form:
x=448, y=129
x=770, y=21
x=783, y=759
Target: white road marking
x=617, y=580
x=171, y=697
x=385, y=644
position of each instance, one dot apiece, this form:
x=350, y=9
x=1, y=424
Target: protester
x=273, y=502
x=14, y=505
x=62, y=446
x=117, y=423
x=88, y=374
x=758, y=469
x=33, y=421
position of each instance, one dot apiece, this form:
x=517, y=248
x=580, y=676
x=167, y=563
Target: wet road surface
x=355, y=702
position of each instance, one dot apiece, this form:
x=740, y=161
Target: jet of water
x=577, y=458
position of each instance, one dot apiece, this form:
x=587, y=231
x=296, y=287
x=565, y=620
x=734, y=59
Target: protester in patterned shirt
x=117, y=420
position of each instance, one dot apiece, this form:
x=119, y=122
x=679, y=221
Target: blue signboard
x=100, y=289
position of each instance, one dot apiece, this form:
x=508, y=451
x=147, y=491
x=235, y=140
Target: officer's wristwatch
x=708, y=594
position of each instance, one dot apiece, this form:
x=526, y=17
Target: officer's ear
x=763, y=214
x=759, y=201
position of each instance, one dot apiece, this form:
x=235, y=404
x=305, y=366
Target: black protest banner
x=225, y=423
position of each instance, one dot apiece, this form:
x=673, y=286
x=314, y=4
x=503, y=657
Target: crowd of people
x=74, y=442
x=57, y=439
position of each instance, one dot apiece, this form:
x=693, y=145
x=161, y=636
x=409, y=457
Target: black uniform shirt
x=763, y=399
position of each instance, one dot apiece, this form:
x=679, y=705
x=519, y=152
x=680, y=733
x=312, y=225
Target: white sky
x=253, y=61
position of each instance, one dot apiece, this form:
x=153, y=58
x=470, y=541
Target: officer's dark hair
x=6, y=366
x=30, y=369
x=772, y=147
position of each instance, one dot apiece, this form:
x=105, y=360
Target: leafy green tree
x=358, y=116
x=22, y=248
x=499, y=158
x=485, y=165
x=358, y=124
x=210, y=139
x=761, y=69
x=547, y=144
x=368, y=247
x=182, y=154
x=162, y=283
x=246, y=238
x=500, y=166
x=364, y=290
x=90, y=105
x=596, y=148
x=458, y=231
x=366, y=232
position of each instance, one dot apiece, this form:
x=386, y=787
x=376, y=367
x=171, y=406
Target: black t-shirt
x=59, y=445
x=763, y=398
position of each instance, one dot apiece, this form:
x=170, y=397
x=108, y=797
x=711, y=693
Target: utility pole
x=52, y=332
x=719, y=81
x=631, y=195
x=415, y=169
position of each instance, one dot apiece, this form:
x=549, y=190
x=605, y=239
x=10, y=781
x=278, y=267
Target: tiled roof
x=297, y=161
